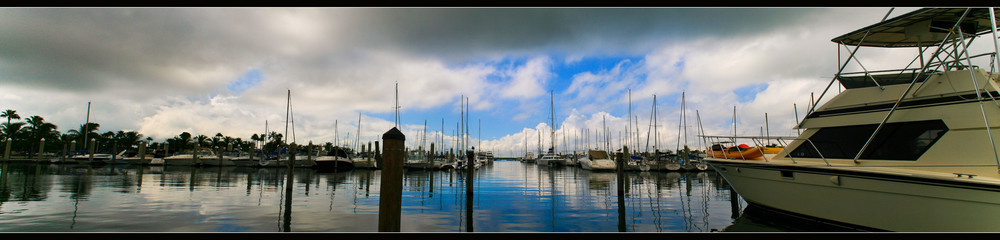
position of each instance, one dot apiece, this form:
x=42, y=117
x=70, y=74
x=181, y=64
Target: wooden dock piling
x=41, y=149
x=289, y=186
x=620, y=166
x=6, y=150
x=391, y=193
x=90, y=150
x=470, y=172
x=142, y=152
x=194, y=154
x=378, y=155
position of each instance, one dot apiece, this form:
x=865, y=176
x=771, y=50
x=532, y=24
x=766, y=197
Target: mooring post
x=620, y=166
x=378, y=156
x=369, y=156
x=391, y=191
x=253, y=149
x=142, y=152
x=194, y=154
x=6, y=150
x=62, y=159
x=469, y=173
x=218, y=151
x=289, y=186
x=114, y=151
x=430, y=156
x=90, y=149
x=41, y=149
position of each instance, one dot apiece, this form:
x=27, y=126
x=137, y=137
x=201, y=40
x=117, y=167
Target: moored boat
x=910, y=150
x=336, y=159
x=597, y=160
x=189, y=159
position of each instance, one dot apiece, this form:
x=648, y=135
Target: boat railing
x=758, y=142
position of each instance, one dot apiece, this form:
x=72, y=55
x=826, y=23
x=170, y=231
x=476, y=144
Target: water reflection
x=504, y=197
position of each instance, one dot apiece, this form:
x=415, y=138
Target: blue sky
x=163, y=71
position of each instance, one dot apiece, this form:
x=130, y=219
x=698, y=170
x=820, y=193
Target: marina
x=510, y=196
x=903, y=137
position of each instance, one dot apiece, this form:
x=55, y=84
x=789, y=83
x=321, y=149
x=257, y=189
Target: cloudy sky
x=163, y=71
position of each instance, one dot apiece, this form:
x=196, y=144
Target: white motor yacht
x=912, y=149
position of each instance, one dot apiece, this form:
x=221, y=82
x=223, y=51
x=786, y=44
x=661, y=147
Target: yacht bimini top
x=920, y=28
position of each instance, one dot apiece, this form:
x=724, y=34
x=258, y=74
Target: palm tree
x=202, y=140
x=12, y=130
x=10, y=114
x=86, y=130
x=105, y=139
x=37, y=130
x=180, y=142
x=127, y=139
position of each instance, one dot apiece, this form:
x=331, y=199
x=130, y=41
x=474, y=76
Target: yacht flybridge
x=911, y=149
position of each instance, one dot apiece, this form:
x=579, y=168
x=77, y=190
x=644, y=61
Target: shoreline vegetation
x=37, y=140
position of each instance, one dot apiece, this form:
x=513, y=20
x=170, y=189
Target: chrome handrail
x=758, y=143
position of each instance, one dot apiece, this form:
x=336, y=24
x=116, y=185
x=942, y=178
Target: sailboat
x=301, y=158
x=910, y=150
x=688, y=161
x=363, y=159
x=550, y=158
x=660, y=161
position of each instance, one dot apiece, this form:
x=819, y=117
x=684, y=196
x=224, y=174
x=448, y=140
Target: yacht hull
x=876, y=200
x=181, y=161
x=217, y=162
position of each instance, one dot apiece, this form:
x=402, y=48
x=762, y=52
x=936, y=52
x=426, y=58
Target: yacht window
x=896, y=141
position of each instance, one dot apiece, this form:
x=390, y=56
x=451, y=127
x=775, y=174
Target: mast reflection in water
x=507, y=197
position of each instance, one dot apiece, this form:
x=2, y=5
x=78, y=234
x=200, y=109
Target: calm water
x=508, y=197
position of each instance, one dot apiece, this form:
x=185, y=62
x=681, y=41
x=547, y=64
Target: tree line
x=26, y=137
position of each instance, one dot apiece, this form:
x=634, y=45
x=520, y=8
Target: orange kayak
x=742, y=153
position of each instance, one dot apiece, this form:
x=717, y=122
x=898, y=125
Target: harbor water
x=508, y=196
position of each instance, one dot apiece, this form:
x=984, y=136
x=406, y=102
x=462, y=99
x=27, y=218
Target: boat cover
x=923, y=28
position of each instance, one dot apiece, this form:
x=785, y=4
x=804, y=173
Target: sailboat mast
x=734, y=122
x=358, y=142
x=701, y=129
x=479, y=142
x=86, y=128
x=423, y=136
x=605, y=130
x=552, y=106
x=680, y=119
x=682, y=122
x=656, y=134
x=287, y=109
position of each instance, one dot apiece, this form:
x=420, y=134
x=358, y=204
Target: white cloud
x=165, y=71
x=529, y=80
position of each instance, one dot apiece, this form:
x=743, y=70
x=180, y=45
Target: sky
x=164, y=71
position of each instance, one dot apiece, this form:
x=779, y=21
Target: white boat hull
x=217, y=162
x=597, y=165
x=180, y=161
x=869, y=199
